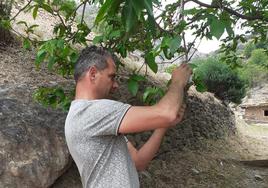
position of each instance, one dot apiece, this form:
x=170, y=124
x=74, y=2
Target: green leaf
x=97, y=39
x=41, y=54
x=65, y=52
x=114, y=7
x=22, y=23
x=149, y=6
x=74, y=56
x=216, y=27
x=129, y=16
x=35, y=10
x=33, y=26
x=226, y=19
x=122, y=50
x=5, y=24
x=200, y=87
x=150, y=60
x=60, y=93
x=103, y=10
x=60, y=44
x=133, y=87
x=26, y=44
x=175, y=44
x=152, y=94
x=181, y=27
x=165, y=41
x=115, y=34
x=199, y=82
x=51, y=62
x=138, y=6
x=151, y=24
x=192, y=11
x=146, y=94
x=47, y=8
x=137, y=77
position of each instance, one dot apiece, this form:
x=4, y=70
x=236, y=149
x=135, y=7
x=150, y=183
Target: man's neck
x=82, y=93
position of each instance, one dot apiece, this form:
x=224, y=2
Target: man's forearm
x=147, y=152
x=173, y=99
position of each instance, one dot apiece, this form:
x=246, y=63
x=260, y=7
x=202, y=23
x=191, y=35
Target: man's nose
x=115, y=85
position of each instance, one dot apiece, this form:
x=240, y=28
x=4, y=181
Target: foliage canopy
x=146, y=25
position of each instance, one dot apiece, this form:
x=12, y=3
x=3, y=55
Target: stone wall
x=256, y=114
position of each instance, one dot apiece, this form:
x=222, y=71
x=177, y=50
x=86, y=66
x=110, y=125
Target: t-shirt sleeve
x=105, y=117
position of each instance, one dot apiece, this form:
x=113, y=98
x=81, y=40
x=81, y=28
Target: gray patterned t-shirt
x=100, y=153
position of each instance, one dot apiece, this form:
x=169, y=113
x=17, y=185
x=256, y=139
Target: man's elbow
x=170, y=118
x=167, y=115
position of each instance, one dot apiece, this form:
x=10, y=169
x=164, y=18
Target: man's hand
x=179, y=115
x=181, y=75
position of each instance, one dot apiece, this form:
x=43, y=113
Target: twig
x=233, y=12
x=194, y=51
x=170, y=62
x=74, y=13
x=140, y=68
x=61, y=19
x=13, y=18
x=82, y=19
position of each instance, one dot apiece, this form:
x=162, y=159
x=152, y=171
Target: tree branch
x=233, y=12
x=26, y=6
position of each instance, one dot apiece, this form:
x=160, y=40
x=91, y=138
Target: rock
x=70, y=179
x=205, y=118
x=258, y=177
x=33, y=152
x=195, y=171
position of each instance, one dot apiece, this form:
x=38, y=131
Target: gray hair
x=91, y=56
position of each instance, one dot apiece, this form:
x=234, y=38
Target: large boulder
x=33, y=151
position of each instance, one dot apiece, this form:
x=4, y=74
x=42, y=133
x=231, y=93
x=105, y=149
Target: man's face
x=106, y=82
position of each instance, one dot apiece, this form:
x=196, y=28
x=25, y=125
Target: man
x=95, y=125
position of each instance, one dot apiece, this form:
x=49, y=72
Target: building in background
x=256, y=106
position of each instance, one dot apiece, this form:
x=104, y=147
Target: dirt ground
x=221, y=163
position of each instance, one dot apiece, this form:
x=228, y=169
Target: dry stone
x=33, y=152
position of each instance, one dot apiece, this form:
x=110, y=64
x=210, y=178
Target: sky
x=206, y=46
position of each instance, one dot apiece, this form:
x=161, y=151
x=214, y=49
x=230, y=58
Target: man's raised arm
x=164, y=113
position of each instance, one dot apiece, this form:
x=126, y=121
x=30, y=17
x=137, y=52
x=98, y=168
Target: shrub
x=220, y=79
x=259, y=57
x=249, y=47
x=254, y=74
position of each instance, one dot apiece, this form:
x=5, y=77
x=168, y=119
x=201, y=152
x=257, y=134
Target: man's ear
x=92, y=71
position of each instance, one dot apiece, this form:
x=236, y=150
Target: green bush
x=249, y=47
x=259, y=57
x=254, y=74
x=220, y=79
